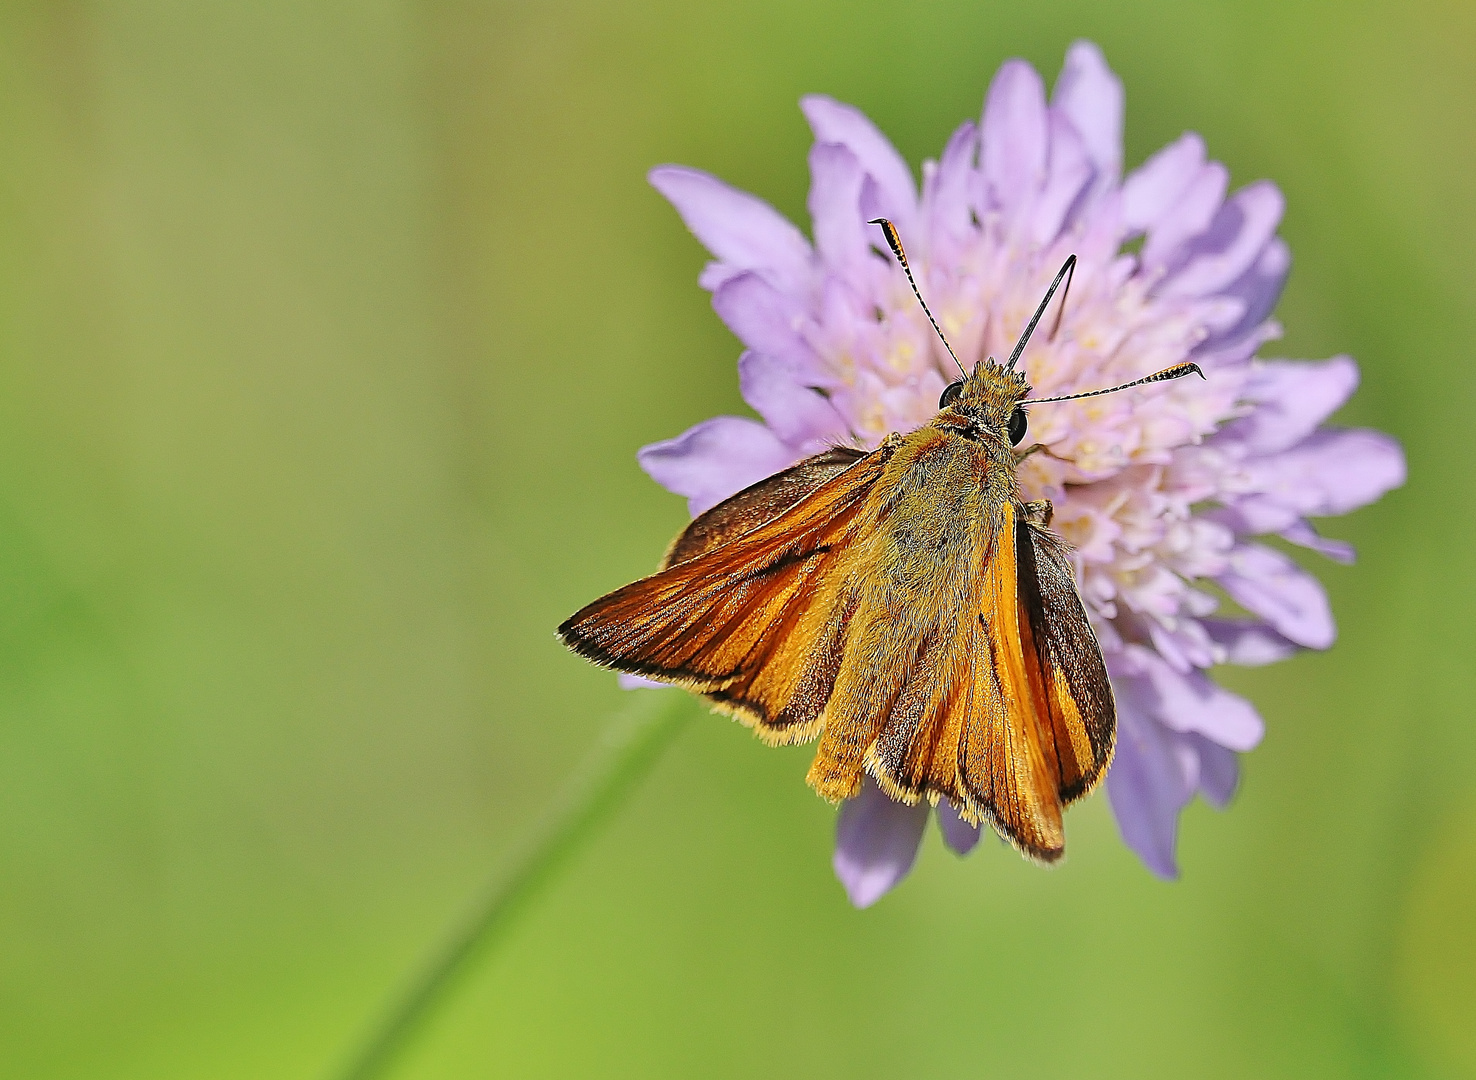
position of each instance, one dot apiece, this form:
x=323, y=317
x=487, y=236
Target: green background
x=327, y=334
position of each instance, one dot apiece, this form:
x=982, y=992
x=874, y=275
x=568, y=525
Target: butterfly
x=903, y=606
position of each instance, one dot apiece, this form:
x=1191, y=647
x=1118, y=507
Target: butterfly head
x=989, y=399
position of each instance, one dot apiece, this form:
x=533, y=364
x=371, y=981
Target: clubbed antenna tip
x=1175, y=371
x=895, y=243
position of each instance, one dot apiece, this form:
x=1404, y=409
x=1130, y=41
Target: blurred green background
x=327, y=334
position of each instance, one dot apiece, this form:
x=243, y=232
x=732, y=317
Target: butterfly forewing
x=1062, y=644
x=726, y=608
x=758, y=504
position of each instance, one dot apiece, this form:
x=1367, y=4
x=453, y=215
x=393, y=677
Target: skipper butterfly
x=903, y=606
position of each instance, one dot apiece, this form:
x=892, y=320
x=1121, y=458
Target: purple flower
x=1160, y=490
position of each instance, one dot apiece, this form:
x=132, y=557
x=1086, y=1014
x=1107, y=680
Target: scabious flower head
x=1163, y=491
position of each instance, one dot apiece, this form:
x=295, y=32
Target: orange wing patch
x=1006, y=711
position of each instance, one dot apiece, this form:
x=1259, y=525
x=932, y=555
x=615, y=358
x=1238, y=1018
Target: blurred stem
x=632, y=742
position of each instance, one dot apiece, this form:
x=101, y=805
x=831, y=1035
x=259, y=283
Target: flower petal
x=1249, y=644
x=1292, y=398
x=1069, y=172
x=1234, y=240
x=876, y=843
x=958, y=834
x=1189, y=216
x=764, y=318
x=1091, y=97
x=1152, y=189
x=797, y=413
x=836, y=179
x=947, y=192
x=1219, y=771
x=1304, y=535
x=715, y=459
x=1257, y=290
x=1329, y=473
x=1268, y=584
x=1013, y=154
x=1150, y=781
x=1186, y=701
x=834, y=122
x=740, y=229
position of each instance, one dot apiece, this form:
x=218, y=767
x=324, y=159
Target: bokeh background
x=327, y=334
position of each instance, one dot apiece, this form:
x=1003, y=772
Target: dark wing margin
x=757, y=504
x=1083, y=717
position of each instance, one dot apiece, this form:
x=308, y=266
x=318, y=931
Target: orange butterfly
x=904, y=606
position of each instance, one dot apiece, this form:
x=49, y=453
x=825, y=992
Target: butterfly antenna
x=1177, y=371
x=895, y=242
x=1068, y=271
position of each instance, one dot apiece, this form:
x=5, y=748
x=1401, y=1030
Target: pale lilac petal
x=1186, y=701
x=1249, y=644
x=836, y=179
x=740, y=229
x=1351, y=468
x=876, y=843
x=1067, y=175
x=1156, y=772
x=958, y=834
x=834, y=122
x=1331, y=472
x=1187, y=218
x=1257, y=290
x=1192, y=702
x=765, y=318
x=948, y=192
x=1014, y=135
x=628, y=681
x=1231, y=245
x=1268, y=584
x=1091, y=97
x=1150, y=781
x=1304, y=535
x=715, y=459
x=798, y=414
x=1292, y=398
x=1219, y=771
x=1256, y=515
x=1153, y=189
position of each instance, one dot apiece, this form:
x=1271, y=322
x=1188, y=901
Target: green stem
x=631, y=743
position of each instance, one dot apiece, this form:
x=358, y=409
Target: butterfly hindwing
x=1007, y=711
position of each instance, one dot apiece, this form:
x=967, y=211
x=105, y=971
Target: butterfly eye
x=950, y=394
x=1017, y=425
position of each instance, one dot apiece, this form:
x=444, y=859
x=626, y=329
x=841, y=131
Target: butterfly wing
x=1005, y=709
x=738, y=612
x=970, y=674
x=758, y=504
x=1063, y=649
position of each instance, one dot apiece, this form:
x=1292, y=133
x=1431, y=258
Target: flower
x=1162, y=491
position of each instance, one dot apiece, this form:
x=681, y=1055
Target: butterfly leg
x=1039, y=512
x=1033, y=448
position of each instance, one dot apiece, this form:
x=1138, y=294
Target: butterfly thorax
x=937, y=504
